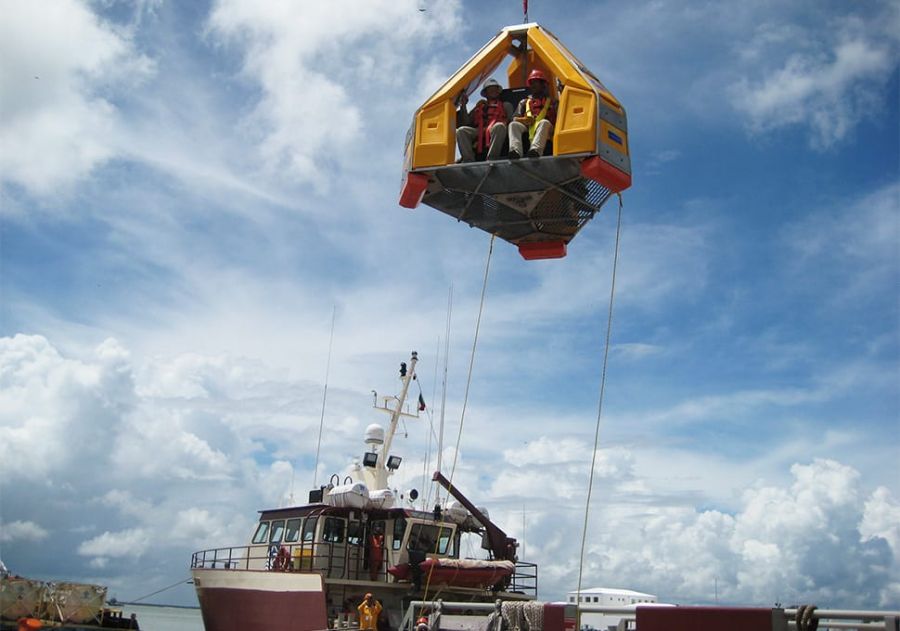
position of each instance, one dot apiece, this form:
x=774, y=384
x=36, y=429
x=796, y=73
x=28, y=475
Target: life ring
x=282, y=560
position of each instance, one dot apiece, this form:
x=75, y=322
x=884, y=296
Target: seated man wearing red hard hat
x=536, y=115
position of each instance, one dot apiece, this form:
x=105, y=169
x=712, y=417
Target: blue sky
x=188, y=191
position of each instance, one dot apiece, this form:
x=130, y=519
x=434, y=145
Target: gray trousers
x=541, y=136
x=467, y=136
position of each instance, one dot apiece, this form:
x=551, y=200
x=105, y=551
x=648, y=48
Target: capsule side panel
x=576, y=122
x=554, y=59
x=614, y=146
x=435, y=127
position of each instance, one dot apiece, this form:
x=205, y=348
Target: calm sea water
x=165, y=618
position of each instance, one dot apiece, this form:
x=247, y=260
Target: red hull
x=251, y=610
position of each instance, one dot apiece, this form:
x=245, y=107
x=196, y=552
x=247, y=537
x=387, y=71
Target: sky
x=190, y=191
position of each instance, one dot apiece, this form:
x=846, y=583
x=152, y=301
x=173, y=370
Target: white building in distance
x=599, y=597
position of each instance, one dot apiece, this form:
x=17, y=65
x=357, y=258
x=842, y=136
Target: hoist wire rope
x=462, y=417
x=609, y=318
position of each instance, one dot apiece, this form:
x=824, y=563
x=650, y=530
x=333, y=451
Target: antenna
x=324, y=397
x=523, y=531
x=444, y=385
x=430, y=413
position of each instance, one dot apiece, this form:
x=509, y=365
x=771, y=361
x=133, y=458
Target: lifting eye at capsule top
x=537, y=202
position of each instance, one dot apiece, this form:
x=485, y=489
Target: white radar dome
x=374, y=434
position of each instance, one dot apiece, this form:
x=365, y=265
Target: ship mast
x=376, y=477
x=401, y=399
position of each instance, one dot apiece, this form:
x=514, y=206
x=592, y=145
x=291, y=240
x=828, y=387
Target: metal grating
x=545, y=199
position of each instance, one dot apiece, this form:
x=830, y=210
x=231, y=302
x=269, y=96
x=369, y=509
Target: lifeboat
x=537, y=204
x=457, y=572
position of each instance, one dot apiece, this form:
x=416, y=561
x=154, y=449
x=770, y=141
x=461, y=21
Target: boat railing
x=525, y=579
x=331, y=560
x=781, y=619
x=827, y=619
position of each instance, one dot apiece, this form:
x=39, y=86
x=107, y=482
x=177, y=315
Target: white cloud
x=58, y=63
x=634, y=351
x=22, y=531
x=322, y=69
x=882, y=518
x=850, y=248
x=131, y=543
x=55, y=410
x=831, y=91
x=796, y=544
x=646, y=528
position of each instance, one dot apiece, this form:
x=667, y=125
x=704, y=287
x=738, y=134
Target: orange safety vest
x=541, y=115
x=376, y=555
x=486, y=113
x=368, y=616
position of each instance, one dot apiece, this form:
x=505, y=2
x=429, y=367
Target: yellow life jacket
x=540, y=115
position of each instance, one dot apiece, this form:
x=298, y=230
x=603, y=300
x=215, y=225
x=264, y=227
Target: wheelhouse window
x=430, y=539
x=277, y=531
x=262, y=532
x=292, y=531
x=333, y=530
x=445, y=541
x=355, y=533
x=309, y=529
x=399, y=530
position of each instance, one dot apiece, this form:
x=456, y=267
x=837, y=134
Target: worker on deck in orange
x=485, y=125
x=376, y=551
x=369, y=610
x=536, y=115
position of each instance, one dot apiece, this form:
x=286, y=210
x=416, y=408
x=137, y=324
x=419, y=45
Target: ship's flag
x=421, y=403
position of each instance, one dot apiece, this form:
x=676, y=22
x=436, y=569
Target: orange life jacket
x=485, y=114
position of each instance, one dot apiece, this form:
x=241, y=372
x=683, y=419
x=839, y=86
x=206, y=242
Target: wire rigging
x=609, y=317
x=487, y=269
x=159, y=591
x=324, y=396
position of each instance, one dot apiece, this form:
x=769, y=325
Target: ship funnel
x=374, y=434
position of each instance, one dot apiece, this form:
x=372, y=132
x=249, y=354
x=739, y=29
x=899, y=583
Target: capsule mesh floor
x=519, y=201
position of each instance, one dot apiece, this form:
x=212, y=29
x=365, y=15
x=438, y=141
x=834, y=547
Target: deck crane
x=538, y=204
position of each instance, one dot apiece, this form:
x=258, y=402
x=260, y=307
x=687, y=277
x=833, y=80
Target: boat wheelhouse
x=308, y=567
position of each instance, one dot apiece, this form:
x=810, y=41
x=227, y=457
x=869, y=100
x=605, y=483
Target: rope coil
x=805, y=619
x=534, y=615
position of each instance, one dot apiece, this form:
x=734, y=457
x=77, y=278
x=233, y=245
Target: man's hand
x=525, y=120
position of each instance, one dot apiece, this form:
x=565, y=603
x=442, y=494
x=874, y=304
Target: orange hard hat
x=422, y=620
x=536, y=75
